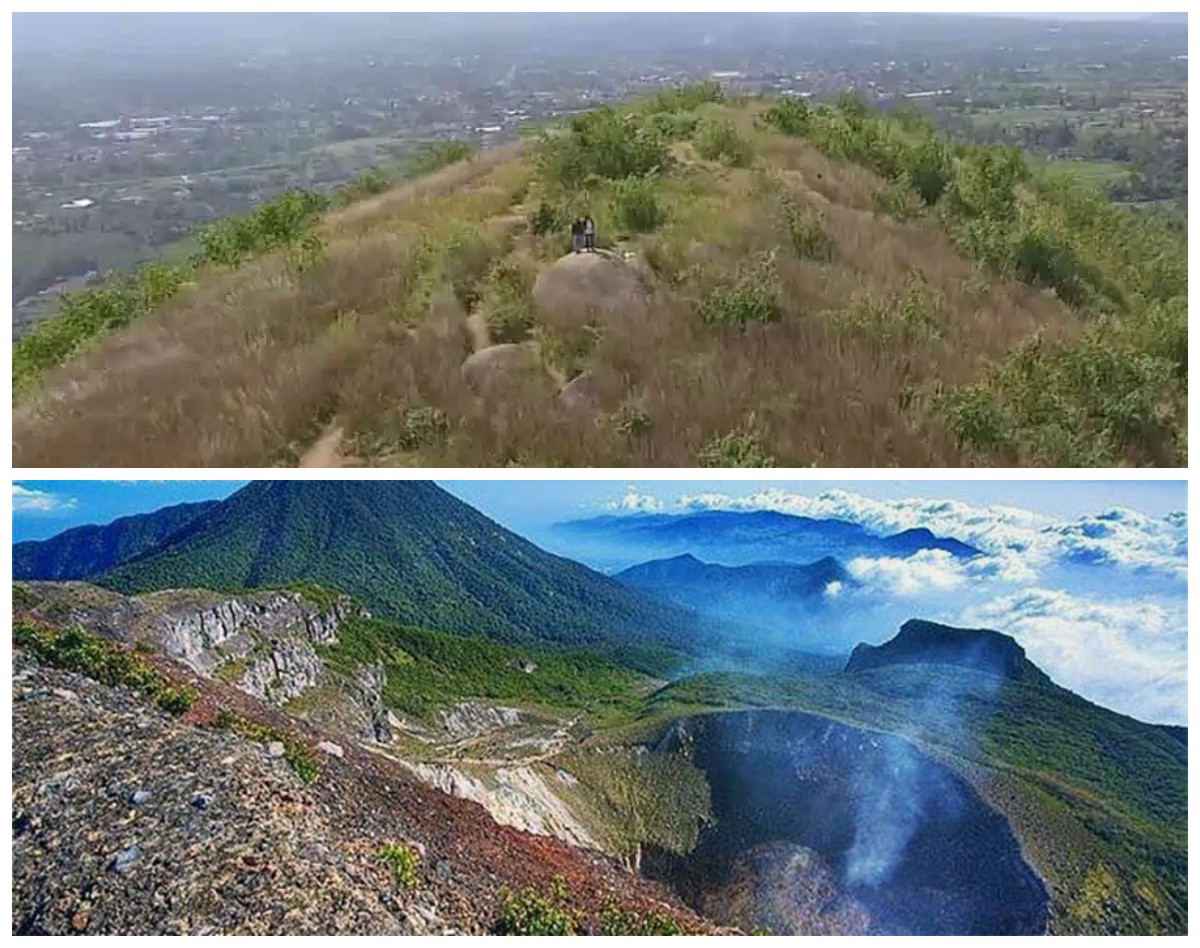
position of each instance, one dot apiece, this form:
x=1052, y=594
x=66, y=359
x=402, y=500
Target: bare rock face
x=518, y=796
x=471, y=719
x=583, y=287
x=490, y=369
x=289, y=669
x=265, y=642
x=370, y=680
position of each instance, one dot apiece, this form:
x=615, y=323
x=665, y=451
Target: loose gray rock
x=331, y=748
x=126, y=859
x=138, y=797
x=275, y=749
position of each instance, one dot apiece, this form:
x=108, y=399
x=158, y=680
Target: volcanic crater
x=823, y=828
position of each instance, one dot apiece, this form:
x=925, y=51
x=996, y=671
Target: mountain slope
x=411, y=552
x=740, y=538
x=154, y=824
x=776, y=284
x=761, y=595
x=87, y=551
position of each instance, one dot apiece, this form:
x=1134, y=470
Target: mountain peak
x=409, y=551
x=920, y=642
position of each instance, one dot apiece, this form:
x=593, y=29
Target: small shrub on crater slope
x=530, y=912
x=403, y=861
x=107, y=662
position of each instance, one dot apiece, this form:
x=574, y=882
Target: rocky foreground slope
x=127, y=820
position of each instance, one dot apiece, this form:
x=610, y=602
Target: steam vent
x=820, y=828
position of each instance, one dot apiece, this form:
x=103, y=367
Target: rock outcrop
x=583, y=287
x=264, y=643
x=490, y=369
x=927, y=643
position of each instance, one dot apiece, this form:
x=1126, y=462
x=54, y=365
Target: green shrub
x=631, y=420
x=741, y=447
x=806, y=227
x=1099, y=401
x=280, y=223
x=687, y=97
x=277, y=223
x=404, y=862
x=674, y=126
x=636, y=205
x=790, y=115
x=371, y=181
x=751, y=298
x=298, y=755
x=507, y=301
x=985, y=183
x=916, y=314
x=433, y=156
x=304, y=254
x=85, y=315
x=466, y=259
x=606, y=144
x=930, y=169
x=897, y=199
x=107, y=662
x=549, y=219
x=615, y=920
x=532, y=913
x=421, y=425
x=721, y=141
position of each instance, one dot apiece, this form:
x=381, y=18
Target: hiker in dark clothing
x=589, y=233
x=577, y=235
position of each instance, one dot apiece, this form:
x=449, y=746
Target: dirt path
x=478, y=329
x=326, y=450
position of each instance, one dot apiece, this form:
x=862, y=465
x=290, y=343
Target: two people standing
x=583, y=234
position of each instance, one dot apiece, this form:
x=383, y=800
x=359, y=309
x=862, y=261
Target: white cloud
x=1021, y=541
x=924, y=571
x=1129, y=656
x=25, y=500
x=635, y=501
x=834, y=588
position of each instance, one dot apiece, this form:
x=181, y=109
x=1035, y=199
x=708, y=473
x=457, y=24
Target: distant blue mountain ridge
x=737, y=538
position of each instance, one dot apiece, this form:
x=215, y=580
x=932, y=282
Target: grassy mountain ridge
x=788, y=285
x=89, y=550
x=413, y=553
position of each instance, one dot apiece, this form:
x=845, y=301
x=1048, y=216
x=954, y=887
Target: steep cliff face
x=263, y=643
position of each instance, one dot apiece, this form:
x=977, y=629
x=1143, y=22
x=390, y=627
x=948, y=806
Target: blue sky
x=523, y=506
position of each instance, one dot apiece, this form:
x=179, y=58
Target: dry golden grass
x=251, y=367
